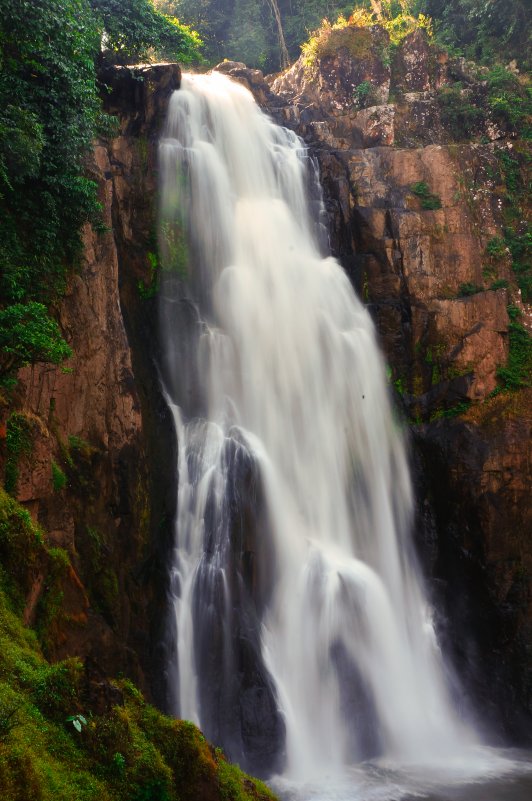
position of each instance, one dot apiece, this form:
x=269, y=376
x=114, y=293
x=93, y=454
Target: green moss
x=235, y=787
x=130, y=753
x=102, y=581
x=452, y=411
x=21, y=547
x=175, y=256
x=328, y=39
x=77, y=445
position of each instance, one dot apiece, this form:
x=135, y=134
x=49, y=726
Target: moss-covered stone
x=56, y=742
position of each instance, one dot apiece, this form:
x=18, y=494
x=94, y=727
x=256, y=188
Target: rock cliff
x=89, y=474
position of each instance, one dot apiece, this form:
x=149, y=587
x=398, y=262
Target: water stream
x=303, y=638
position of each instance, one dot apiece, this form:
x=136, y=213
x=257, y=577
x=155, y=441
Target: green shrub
x=458, y=114
x=28, y=335
x=468, y=288
x=517, y=372
x=364, y=94
x=501, y=283
x=19, y=442
x=428, y=200
x=496, y=247
x=135, y=31
x=508, y=101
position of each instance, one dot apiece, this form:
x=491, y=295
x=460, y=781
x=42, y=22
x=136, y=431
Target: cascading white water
x=280, y=370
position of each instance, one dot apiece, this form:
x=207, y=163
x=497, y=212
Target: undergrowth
x=129, y=752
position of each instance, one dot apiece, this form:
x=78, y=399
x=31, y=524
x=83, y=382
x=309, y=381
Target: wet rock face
x=411, y=214
x=85, y=474
x=476, y=477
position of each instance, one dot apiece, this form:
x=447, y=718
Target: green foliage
x=59, y=480
x=21, y=145
x=458, y=114
x=244, y=30
x=514, y=313
x=27, y=335
x=19, y=442
x=508, y=101
x=452, y=411
x=496, y=247
x=468, y=288
x=136, y=31
x=484, y=31
x=50, y=112
x=49, y=102
x=517, y=233
x=428, y=200
x=148, y=289
x=500, y=283
x=364, y=94
x=48, y=93
x=78, y=721
x=119, y=763
x=352, y=30
x=8, y=717
x=517, y=372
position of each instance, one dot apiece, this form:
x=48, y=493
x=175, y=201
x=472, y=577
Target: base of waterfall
x=480, y=774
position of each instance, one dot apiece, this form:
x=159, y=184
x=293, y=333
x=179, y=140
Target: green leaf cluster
x=135, y=31
x=48, y=105
x=50, y=112
x=19, y=443
x=484, y=31
x=428, y=200
x=517, y=372
x=28, y=334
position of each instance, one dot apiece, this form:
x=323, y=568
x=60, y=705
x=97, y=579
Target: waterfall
x=303, y=639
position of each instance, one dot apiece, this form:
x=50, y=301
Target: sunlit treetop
x=134, y=30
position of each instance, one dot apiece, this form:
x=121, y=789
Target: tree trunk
x=285, y=59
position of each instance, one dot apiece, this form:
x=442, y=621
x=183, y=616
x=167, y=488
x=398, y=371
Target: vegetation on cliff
x=50, y=112
x=67, y=733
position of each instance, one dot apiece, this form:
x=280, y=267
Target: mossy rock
x=55, y=743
